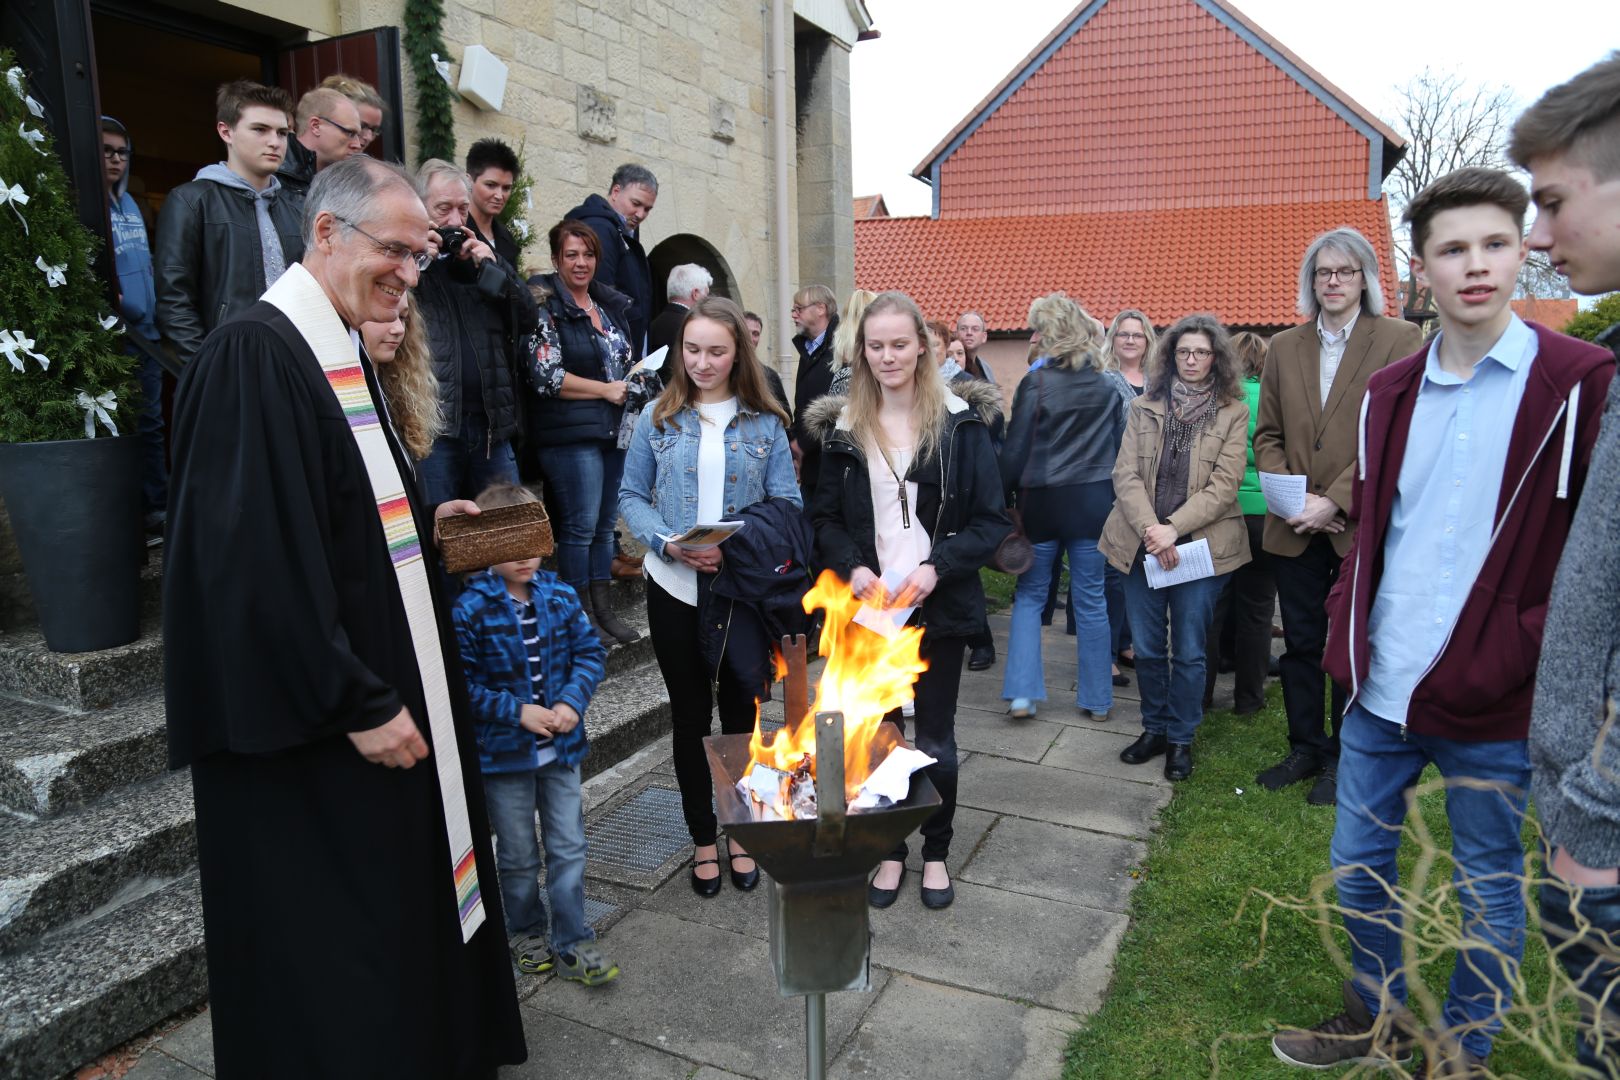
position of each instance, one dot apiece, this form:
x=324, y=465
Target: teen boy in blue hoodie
x=532, y=663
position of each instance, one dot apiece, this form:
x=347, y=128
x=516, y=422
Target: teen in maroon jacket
x=1472, y=456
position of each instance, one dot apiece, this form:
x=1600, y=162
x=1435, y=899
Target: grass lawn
x=1195, y=992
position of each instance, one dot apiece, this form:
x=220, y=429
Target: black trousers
x=1303, y=582
x=1241, y=629
x=692, y=697
x=935, y=736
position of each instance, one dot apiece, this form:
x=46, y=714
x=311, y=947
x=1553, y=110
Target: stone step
x=58, y=869
x=53, y=758
x=95, y=984
x=90, y=680
x=630, y=710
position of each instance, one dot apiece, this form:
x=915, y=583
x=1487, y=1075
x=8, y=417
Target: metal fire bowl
x=787, y=850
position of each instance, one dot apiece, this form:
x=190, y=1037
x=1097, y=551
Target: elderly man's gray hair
x=434, y=168
x=631, y=173
x=1353, y=246
x=686, y=277
x=347, y=188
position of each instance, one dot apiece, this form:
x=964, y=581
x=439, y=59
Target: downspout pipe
x=781, y=120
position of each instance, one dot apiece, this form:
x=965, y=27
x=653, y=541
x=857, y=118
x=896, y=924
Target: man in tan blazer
x=1310, y=404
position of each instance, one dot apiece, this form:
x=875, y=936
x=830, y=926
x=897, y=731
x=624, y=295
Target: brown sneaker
x=1348, y=1037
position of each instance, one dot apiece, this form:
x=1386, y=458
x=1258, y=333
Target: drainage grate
x=598, y=912
x=642, y=834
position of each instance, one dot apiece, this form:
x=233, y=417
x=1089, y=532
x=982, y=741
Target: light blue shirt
x=1445, y=512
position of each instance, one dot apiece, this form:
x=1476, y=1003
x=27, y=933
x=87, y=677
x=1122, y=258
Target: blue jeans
x=1168, y=628
x=1574, y=922
x=1378, y=765
x=584, y=483
x=1094, y=690
x=465, y=463
x=513, y=798
x=149, y=423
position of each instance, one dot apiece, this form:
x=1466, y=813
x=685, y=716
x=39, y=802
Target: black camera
x=450, y=241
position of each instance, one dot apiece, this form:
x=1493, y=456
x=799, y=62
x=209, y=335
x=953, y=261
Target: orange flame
x=867, y=676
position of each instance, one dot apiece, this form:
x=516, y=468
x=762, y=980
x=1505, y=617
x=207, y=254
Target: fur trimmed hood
x=826, y=414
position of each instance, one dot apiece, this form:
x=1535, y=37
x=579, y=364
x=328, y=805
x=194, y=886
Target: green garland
x=53, y=346
x=422, y=38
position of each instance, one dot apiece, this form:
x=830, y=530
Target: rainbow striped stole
x=300, y=298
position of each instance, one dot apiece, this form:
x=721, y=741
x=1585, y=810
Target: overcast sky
x=937, y=59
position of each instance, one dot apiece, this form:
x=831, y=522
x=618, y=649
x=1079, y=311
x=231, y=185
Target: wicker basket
x=500, y=534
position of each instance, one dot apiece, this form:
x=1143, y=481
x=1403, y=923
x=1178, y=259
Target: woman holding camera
x=580, y=358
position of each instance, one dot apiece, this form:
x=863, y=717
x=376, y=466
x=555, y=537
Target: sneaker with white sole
x=586, y=965
x=1352, y=1036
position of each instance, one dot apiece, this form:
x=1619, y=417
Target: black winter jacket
x=758, y=595
x=554, y=421
x=1066, y=428
x=208, y=258
x=623, y=264
x=490, y=308
x=814, y=382
x=297, y=170
x=959, y=499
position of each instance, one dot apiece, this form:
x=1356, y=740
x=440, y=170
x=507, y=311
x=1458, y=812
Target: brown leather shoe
x=626, y=566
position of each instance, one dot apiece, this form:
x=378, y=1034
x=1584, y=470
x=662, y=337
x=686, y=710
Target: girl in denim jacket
x=713, y=443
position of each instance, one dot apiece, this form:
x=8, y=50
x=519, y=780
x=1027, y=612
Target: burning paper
x=890, y=782
x=773, y=794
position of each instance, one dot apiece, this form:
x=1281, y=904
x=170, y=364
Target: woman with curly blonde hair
x=405, y=372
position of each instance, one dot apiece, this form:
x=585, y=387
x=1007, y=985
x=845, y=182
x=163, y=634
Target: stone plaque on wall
x=596, y=111
x=722, y=120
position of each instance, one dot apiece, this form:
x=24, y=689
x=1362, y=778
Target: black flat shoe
x=938, y=898
x=1122, y=679
x=882, y=898
x=705, y=887
x=746, y=881
x=981, y=658
x=1178, y=761
x=1125, y=661
x=1147, y=745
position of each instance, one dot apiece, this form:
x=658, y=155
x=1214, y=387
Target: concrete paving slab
x=969, y=827
x=561, y=1047
x=159, y=1066
x=708, y=993
x=1024, y=740
x=985, y=694
x=1096, y=750
x=1003, y=943
x=709, y=1072
x=1059, y=863
x=746, y=913
x=991, y=1038
x=1042, y=793
x=192, y=1043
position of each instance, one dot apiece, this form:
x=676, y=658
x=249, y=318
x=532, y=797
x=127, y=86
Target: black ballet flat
x=882, y=898
x=746, y=882
x=705, y=887
x=938, y=898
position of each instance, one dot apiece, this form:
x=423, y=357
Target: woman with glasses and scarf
x=1176, y=482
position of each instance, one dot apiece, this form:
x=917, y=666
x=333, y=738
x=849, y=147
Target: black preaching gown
x=334, y=946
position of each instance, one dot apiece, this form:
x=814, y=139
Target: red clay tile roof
x=1553, y=314
x=1154, y=104
x=870, y=206
x=1240, y=262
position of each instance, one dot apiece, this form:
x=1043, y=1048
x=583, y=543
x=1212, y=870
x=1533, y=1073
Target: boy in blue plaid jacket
x=532, y=663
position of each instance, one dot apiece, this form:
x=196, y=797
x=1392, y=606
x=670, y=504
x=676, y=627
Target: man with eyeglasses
x=225, y=237
x=1310, y=399
x=328, y=130
x=815, y=313
x=478, y=313
x=137, y=303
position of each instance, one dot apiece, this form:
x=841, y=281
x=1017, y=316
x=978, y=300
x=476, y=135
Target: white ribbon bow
x=108, y=322
x=16, y=196
x=32, y=138
x=14, y=77
x=443, y=68
x=521, y=228
x=13, y=342
x=98, y=408
x=54, y=275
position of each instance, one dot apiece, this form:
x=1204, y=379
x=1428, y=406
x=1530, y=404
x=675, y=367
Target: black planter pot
x=75, y=508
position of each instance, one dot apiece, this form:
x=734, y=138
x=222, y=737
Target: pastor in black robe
x=333, y=940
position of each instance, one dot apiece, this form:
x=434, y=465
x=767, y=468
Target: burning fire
x=867, y=676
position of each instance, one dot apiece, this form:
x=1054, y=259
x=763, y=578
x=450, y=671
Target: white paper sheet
x=1285, y=494
x=890, y=782
x=651, y=362
x=1195, y=563
x=701, y=537
x=886, y=621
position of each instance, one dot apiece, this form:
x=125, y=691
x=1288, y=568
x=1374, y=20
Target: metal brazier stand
x=821, y=937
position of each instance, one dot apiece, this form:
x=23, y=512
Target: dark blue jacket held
x=572, y=659
x=758, y=596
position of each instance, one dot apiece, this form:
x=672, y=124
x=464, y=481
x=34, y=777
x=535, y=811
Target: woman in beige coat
x=1175, y=482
